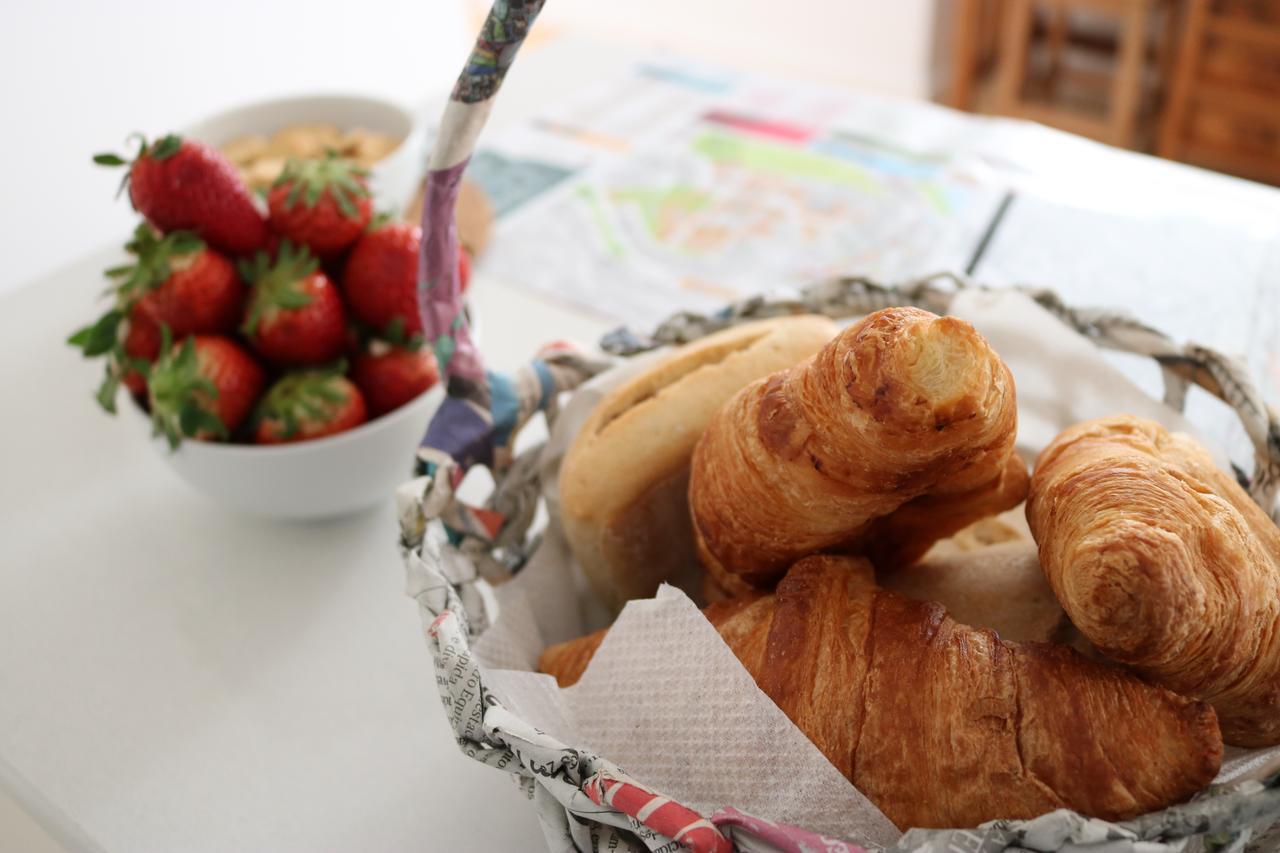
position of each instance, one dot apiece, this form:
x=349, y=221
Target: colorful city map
x=662, y=192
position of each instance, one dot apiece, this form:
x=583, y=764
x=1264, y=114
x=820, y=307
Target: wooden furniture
x=1223, y=109
x=1118, y=122
x=975, y=37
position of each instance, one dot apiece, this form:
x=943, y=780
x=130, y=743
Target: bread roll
x=624, y=480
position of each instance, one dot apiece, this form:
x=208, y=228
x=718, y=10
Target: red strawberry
x=308, y=404
x=174, y=281
x=202, y=388
x=141, y=342
x=188, y=287
x=391, y=376
x=180, y=183
x=381, y=276
x=324, y=204
x=204, y=295
x=129, y=350
x=295, y=313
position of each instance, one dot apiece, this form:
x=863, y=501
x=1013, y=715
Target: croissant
x=896, y=541
x=903, y=536
x=901, y=405
x=940, y=724
x=1164, y=563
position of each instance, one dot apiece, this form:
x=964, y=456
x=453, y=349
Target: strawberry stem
x=277, y=285
x=99, y=338
x=303, y=396
x=155, y=255
x=181, y=394
x=308, y=180
x=164, y=148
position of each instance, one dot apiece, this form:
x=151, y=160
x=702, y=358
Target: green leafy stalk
x=154, y=256
x=395, y=334
x=181, y=395
x=309, y=180
x=153, y=265
x=100, y=337
x=303, y=397
x=103, y=338
x=163, y=149
x=278, y=285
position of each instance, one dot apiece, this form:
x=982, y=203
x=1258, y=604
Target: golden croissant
x=903, y=406
x=940, y=724
x=1165, y=564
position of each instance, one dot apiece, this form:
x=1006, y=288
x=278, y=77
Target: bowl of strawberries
x=272, y=342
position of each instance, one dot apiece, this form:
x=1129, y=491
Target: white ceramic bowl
x=327, y=477
x=393, y=180
x=354, y=470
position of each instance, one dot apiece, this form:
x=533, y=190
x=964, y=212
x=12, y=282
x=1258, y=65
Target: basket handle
x=1182, y=365
x=463, y=429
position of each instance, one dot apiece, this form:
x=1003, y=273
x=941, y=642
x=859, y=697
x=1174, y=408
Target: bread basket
x=458, y=557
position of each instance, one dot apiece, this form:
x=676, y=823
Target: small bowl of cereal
x=378, y=134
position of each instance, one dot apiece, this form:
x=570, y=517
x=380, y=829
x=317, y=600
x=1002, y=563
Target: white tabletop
x=177, y=677
x=173, y=676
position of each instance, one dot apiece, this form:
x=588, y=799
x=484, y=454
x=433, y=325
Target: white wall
x=882, y=45
x=80, y=75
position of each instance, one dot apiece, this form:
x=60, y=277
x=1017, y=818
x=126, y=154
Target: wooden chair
x=975, y=36
x=1223, y=109
x=1117, y=125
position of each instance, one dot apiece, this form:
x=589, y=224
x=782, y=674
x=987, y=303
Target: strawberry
x=391, y=376
x=141, y=343
x=174, y=281
x=324, y=204
x=308, y=404
x=202, y=388
x=381, y=276
x=180, y=184
x=295, y=314
x=188, y=287
x=129, y=347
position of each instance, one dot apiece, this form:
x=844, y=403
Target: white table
x=173, y=676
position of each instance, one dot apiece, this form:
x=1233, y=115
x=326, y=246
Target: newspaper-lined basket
x=584, y=801
x=453, y=551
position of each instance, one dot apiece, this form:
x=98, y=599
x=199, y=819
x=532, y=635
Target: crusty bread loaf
x=624, y=481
